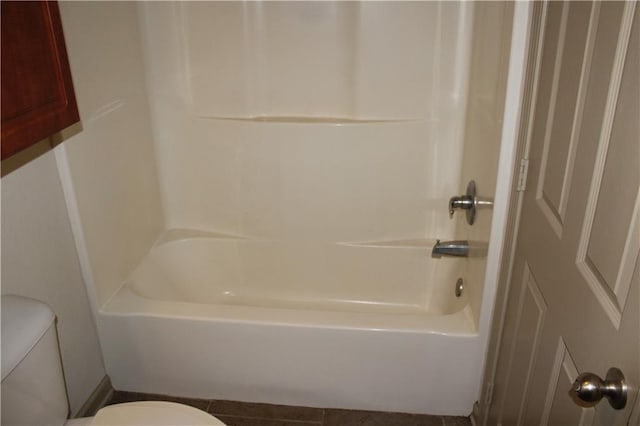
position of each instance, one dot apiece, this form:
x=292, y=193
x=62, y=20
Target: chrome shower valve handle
x=469, y=202
x=462, y=202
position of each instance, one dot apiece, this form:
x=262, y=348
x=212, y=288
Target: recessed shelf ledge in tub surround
x=419, y=243
x=178, y=234
x=310, y=119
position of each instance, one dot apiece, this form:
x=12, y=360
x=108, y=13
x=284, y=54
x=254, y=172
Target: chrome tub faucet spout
x=458, y=248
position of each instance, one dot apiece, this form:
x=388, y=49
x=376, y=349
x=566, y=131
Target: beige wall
x=111, y=163
x=109, y=179
x=39, y=260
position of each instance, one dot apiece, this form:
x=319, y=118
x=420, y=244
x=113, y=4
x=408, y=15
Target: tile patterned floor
x=234, y=413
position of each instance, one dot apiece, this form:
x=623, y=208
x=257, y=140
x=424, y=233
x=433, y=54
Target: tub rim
x=126, y=302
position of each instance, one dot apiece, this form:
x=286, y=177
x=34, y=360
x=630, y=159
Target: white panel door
x=573, y=298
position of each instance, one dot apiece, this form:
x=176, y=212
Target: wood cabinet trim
x=54, y=110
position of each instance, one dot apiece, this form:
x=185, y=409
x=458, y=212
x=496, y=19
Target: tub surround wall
x=110, y=166
x=313, y=121
x=483, y=129
x=483, y=140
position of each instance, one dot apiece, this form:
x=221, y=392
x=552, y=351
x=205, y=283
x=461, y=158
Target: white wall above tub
x=370, y=99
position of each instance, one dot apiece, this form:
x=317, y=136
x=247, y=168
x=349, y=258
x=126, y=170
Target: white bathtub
x=362, y=326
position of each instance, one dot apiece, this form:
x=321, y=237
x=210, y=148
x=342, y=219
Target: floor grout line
x=311, y=422
x=306, y=422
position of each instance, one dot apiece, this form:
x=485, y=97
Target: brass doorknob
x=588, y=389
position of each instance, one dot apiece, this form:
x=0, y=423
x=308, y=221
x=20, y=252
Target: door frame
x=518, y=117
x=525, y=110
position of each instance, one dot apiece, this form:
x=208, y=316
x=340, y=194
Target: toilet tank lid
x=24, y=321
x=153, y=413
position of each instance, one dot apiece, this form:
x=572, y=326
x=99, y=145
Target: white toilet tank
x=33, y=390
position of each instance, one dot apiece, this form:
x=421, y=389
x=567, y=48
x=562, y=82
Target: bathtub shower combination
x=306, y=153
x=321, y=324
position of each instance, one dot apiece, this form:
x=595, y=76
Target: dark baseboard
x=98, y=398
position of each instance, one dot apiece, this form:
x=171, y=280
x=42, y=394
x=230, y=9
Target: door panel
x=531, y=314
x=573, y=300
x=607, y=253
x=559, y=138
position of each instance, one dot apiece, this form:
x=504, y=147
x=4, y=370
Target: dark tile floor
x=234, y=413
